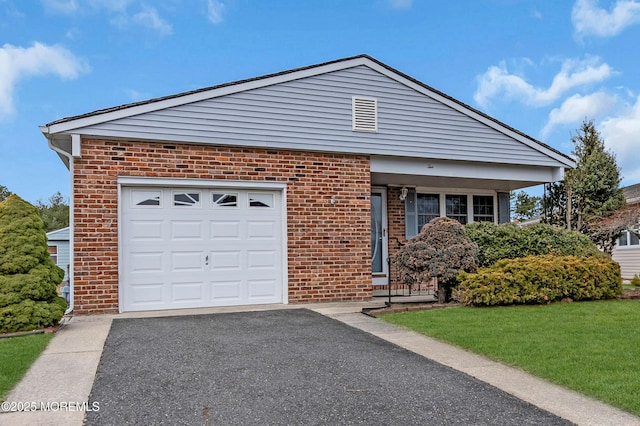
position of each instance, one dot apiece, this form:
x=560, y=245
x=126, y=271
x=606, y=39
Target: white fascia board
x=460, y=108
x=461, y=169
x=198, y=183
x=71, y=125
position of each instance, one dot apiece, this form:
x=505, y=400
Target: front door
x=379, y=252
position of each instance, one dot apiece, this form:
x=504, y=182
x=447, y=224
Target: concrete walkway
x=65, y=372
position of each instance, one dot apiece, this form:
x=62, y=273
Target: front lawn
x=591, y=347
x=16, y=356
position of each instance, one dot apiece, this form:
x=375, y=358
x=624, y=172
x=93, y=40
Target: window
x=53, y=253
x=456, y=207
x=421, y=208
x=483, y=208
x=628, y=239
x=257, y=199
x=225, y=199
x=188, y=199
x=428, y=208
x=145, y=198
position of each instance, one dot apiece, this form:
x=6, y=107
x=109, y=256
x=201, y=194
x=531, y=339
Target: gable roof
x=632, y=193
x=61, y=234
x=63, y=128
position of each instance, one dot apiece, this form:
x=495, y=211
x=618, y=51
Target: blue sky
x=541, y=66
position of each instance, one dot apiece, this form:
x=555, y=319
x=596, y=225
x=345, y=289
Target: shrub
x=441, y=250
x=540, y=279
x=509, y=241
x=635, y=280
x=28, y=277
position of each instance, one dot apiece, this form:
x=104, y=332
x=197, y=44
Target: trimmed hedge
x=540, y=279
x=509, y=241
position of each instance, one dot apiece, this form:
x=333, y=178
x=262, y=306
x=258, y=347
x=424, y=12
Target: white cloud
x=136, y=96
x=498, y=81
x=65, y=7
x=69, y=7
x=590, y=20
x=18, y=63
x=401, y=4
x=149, y=18
x=577, y=107
x=111, y=5
x=214, y=11
x=622, y=135
x=118, y=11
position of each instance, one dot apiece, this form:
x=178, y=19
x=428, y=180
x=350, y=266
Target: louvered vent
x=365, y=114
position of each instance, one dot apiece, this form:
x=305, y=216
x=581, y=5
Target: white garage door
x=186, y=248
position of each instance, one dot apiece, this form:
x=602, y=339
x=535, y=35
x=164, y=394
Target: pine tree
x=28, y=277
x=591, y=190
x=4, y=193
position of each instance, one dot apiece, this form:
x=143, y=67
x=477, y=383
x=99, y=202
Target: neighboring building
x=627, y=250
x=58, y=245
x=291, y=187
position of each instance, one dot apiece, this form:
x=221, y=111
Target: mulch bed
x=394, y=308
x=630, y=294
x=52, y=329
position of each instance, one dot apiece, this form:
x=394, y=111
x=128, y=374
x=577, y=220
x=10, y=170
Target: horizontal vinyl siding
x=629, y=260
x=314, y=114
x=63, y=256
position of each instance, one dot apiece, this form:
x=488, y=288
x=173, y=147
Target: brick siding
x=329, y=253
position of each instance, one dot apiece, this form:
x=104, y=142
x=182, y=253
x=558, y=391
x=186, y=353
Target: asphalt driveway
x=290, y=367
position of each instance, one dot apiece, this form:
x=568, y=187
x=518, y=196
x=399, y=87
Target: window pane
x=188, y=199
x=428, y=208
x=622, y=240
x=483, y=208
x=260, y=200
x=633, y=240
x=145, y=198
x=221, y=199
x=456, y=206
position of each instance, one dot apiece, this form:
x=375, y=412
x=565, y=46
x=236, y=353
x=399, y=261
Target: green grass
x=16, y=356
x=591, y=347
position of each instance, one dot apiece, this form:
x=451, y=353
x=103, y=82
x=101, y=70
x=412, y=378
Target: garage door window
x=145, y=198
x=225, y=199
x=186, y=199
x=260, y=200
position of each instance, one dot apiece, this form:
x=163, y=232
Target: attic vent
x=365, y=114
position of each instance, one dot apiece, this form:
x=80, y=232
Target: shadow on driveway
x=283, y=367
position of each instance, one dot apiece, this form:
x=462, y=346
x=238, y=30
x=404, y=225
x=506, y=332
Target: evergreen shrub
x=540, y=279
x=510, y=241
x=28, y=278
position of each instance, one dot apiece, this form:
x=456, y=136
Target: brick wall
x=329, y=251
x=395, y=218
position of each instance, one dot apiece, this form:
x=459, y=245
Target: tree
x=54, y=212
x=441, y=250
x=28, y=277
x=589, y=191
x=4, y=193
x=607, y=229
x=525, y=206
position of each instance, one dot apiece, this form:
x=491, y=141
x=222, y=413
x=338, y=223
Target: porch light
x=403, y=193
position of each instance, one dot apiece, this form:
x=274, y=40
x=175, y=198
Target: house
x=286, y=188
x=627, y=249
x=58, y=246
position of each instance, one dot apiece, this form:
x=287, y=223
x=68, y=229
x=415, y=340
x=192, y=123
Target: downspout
x=71, y=231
